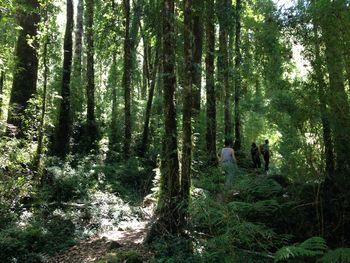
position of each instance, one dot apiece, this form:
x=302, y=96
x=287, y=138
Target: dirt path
x=128, y=236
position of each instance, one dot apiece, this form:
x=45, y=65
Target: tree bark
x=144, y=142
x=113, y=138
x=210, y=85
x=238, y=59
x=186, y=158
x=26, y=69
x=45, y=59
x=197, y=55
x=168, y=210
x=338, y=99
x=223, y=70
x=63, y=129
x=322, y=87
x=77, y=94
x=91, y=127
x=337, y=188
x=127, y=81
x=2, y=81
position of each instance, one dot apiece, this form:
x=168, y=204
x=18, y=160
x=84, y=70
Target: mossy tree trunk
x=197, y=54
x=337, y=188
x=223, y=70
x=91, y=126
x=127, y=81
x=238, y=61
x=186, y=158
x=210, y=84
x=26, y=68
x=322, y=96
x=168, y=207
x=2, y=81
x=77, y=92
x=145, y=133
x=64, y=126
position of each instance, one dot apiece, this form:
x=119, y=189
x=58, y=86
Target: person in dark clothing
x=266, y=154
x=255, y=155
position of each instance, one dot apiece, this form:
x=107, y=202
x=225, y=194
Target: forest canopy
x=228, y=119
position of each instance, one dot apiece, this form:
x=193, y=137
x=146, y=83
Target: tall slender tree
x=2, y=80
x=77, y=78
x=127, y=81
x=145, y=134
x=337, y=187
x=322, y=91
x=26, y=68
x=224, y=7
x=64, y=126
x=197, y=54
x=113, y=136
x=45, y=63
x=91, y=126
x=238, y=58
x=338, y=99
x=168, y=210
x=210, y=85
x=186, y=158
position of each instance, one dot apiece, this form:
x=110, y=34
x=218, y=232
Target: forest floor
x=123, y=241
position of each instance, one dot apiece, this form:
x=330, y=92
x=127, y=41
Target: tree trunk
x=339, y=105
x=345, y=24
x=113, y=138
x=63, y=129
x=223, y=70
x=197, y=55
x=91, y=127
x=127, y=81
x=144, y=142
x=45, y=58
x=145, y=69
x=210, y=85
x=186, y=158
x=77, y=94
x=2, y=81
x=26, y=69
x=337, y=188
x=322, y=87
x=168, y=210
x=238, y=59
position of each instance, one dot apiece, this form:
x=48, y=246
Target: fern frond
x=339, y=255
x=314, y=246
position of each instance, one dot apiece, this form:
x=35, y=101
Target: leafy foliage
x=314, y=246
x=336, y=256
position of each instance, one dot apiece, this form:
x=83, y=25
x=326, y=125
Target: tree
x=322, y=91
x=77, y=81
x=26, y=68
x=238, y=58
x=210, y=85
x=187, y=112
x=2, y=80
x=127, y=81
x=145, y=133
x=91, y=127
x=197, y=54
x=337, y=187
x=45, y=62
x=168, y=210
x=224, y=8
x=338, y=99
x=64, y=126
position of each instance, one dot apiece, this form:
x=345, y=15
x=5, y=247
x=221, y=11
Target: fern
x=314, y=246
x=265, y=207
x=339, y=255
